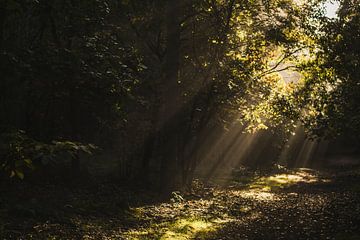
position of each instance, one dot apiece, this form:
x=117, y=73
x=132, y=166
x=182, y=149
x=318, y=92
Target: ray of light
x=288, y=151
x=306, y=153
x=233, y=154
x=222, y=148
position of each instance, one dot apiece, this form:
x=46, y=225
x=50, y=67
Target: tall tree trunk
x=171, y=104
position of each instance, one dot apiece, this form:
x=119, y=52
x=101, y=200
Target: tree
x=148, y=78
x=329, y=95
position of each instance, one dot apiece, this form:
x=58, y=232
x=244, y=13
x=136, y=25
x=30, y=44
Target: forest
x=180, y=119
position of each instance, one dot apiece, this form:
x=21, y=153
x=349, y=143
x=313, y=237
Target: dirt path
x=301, y=204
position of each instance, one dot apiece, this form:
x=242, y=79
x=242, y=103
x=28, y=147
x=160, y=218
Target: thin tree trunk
x=2, y=23
x=149, y=146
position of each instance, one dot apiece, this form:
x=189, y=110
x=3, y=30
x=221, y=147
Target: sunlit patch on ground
x=179, y=220
x=258, y=195
x=265, y=188
x=284, y=180
x=181, y=229
x=199, y=218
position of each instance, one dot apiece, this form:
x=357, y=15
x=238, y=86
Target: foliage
x=19, y=153
x=331, y=85
x=70, y=64
x=325, y=99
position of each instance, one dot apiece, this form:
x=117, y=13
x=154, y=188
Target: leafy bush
x=20, y=153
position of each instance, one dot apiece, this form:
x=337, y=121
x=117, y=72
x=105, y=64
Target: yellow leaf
x=19, y=174
x=28, y=161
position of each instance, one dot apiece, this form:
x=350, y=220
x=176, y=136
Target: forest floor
x=283, y=204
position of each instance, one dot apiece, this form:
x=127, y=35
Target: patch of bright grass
x=187, y=229
x=181, y=229
x=282, y=181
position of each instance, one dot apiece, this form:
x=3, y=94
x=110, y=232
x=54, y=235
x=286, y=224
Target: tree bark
x=171, y=104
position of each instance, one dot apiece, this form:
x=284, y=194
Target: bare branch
x=274, y=68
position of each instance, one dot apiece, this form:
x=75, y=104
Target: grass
x=281, y=180
x=181, y=229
